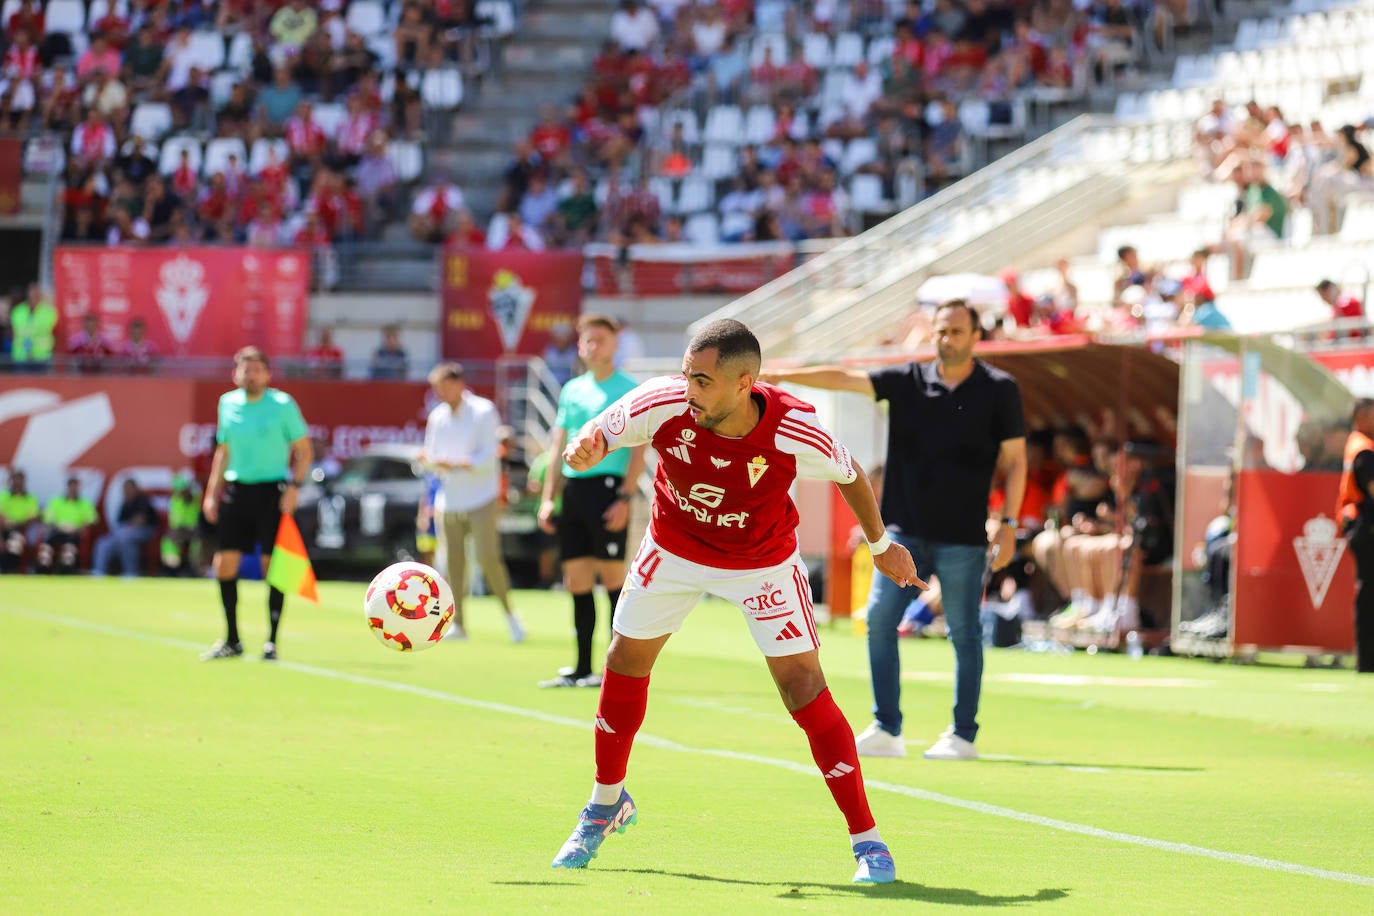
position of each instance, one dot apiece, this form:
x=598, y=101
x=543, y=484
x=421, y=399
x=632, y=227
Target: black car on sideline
x=364, y=515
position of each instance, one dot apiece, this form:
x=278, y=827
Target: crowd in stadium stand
x=299, y=109
x=617, y=164
x=1274, y=167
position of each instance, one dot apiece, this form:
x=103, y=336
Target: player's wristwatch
x=623, y=497
x=1010, y=523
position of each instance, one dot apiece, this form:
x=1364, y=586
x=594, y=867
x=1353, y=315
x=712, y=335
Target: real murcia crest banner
x=1319, y=551
x=499, y=303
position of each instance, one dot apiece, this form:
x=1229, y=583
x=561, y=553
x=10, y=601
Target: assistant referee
x=596, y=504
x=262, y=455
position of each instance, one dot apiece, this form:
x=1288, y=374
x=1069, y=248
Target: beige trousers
x=480, y=523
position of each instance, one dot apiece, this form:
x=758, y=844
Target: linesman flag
x=289, y=571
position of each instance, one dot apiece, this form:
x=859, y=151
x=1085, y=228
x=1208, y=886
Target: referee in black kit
x=262, y=455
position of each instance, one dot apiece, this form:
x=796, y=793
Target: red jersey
x=725, y=502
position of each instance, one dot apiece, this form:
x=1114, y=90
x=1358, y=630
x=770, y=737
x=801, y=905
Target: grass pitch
x=350, y=778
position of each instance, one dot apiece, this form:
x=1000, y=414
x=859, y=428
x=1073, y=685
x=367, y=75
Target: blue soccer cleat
x=594, y=824
x=875, y=864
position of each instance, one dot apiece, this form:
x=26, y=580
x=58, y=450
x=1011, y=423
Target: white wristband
x=880, y=545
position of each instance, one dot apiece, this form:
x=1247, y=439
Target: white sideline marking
x=805, y=769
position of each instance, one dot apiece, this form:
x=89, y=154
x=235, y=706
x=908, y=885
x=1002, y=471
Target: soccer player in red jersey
x=724, y=524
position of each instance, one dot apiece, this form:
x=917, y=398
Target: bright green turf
x=137, y=779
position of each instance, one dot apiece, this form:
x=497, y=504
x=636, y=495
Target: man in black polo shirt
x=952, y=423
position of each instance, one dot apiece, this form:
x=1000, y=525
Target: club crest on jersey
x=756, y=467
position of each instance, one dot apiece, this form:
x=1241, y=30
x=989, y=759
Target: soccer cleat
x=269, y=651
x=222, y=649
x=563, y=680
x=456, y=631
x=875, y=864
x=591, y=680
x=951, y=747
x=517, y=629
x=594, y=824
x=876, y=741
x=572, y=680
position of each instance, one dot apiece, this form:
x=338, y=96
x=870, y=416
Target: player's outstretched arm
x=889, y=558
x=587, y=448
x=830, y=378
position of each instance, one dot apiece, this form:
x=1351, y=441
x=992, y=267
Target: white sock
x=1079, y=598
x=606, y=795
x=868, y=836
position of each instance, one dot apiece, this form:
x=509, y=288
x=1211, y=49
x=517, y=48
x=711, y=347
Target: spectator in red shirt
x=467, y=234
x=185, y=181
x=1019, y=305
x=89, y=346
x=550, y=138
x=325, y=359
x=1342, y=306
x=306, y=139
x=138, y=352
x=1195, y=285
x=28, y=18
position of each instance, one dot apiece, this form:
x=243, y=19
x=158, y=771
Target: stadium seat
x=406, y=158
x=172, y=148
x=209, y=50
x=691, y=132
x=99, y=9
x=695, y=194
x=67, y=16
x=240, y=55
x=385, y=49
x=775, y=40
x=866, y=194
x=329, y=115
x=849, y=50
x=366, y=17
x=150, y=120
x=442, y=88
x=880, y=50
x=500, y=15
x=702, y=229
x=44, y=155
x=760, y=125
x=260, y=155
x=860, y=152
x=816, y=50
x=718, y=162
x=724, y=125
x=222, y=83
x=218, y=151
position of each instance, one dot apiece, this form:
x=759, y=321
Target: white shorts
x=661, y=589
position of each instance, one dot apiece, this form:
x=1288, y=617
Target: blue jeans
x=960, y=570
x=124, y=540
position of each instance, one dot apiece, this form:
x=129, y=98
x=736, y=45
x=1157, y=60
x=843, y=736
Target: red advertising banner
x=193, y=301
x=1292, y=581
x=505, y=302
x=11, y=175
x=105, y=430
x=676, y=270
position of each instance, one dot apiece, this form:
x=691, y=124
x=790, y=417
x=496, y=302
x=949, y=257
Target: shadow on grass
x=1137, y=767
x=900, y=890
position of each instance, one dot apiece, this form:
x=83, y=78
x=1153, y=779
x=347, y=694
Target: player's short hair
x=445, y=372
x=973, y=318
x=1361, y=406
x=733, y=343
x=598, y=321
x=251, y=355
x=1325, y=286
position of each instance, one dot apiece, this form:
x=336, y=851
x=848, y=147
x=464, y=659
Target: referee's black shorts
x=248, y=516
x=582, y=531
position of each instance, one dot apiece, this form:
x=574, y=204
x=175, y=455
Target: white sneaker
x=876, y=741
x=517, y=629
x=455, y=631
x=951, y=747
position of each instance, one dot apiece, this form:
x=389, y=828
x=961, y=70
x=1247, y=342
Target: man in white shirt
x=633, y=27
x=461, y=446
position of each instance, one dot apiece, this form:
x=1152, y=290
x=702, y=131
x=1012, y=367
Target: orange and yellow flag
x=289, y=570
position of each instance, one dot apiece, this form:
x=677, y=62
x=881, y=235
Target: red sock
x=618, y=716
x=832, y=747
